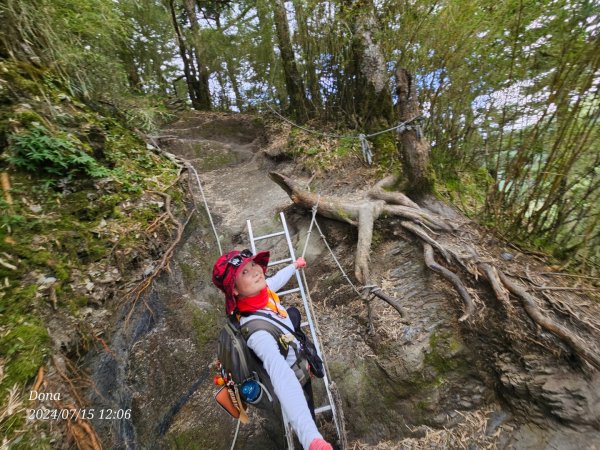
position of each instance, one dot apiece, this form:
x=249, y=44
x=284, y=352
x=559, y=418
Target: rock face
x=398, y=378
x=538, y=388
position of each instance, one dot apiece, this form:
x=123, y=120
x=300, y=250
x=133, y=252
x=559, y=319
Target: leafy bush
x=37, y=150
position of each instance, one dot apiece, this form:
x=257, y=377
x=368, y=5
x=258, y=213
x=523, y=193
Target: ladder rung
x=281, y=261
x=267, y=236
x=322, y=409
x=304, y=324
x=290, y=291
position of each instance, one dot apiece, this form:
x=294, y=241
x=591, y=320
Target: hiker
x=241, y=276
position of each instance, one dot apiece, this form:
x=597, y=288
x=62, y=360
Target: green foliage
x=38, y=151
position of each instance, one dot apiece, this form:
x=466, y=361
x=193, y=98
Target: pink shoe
x=320, y=444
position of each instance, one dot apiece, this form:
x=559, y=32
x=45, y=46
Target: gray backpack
x=239, y=363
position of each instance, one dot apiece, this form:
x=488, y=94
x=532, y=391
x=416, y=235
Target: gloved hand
x=300, y=263
x=320, y=444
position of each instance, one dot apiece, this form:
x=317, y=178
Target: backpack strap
x=297, y=334
x=254, y=325
x=301, y=366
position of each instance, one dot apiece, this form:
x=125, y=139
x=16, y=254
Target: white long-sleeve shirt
x=284, y=381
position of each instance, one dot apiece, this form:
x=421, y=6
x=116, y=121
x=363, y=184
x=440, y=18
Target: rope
x=237, y=429
x=344, y=274
x=212, y=224
x=371, y=288
x=364, y=144
x=308, y=130
x=310, y=303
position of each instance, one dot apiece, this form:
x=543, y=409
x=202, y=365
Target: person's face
x=250, y=281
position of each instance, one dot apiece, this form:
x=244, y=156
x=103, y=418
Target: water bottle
x=251, y=392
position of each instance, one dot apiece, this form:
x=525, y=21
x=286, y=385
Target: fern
x=37, y=150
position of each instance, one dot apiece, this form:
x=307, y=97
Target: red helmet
x=228, y=266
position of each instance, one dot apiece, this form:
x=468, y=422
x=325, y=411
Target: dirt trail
x=405, y=381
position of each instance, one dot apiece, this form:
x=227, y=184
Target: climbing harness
x=364, y=144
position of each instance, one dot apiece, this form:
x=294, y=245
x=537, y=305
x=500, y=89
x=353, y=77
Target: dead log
x=344, y=212
x=361, y=215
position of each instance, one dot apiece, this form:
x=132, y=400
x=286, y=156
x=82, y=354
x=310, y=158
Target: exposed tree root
x=452, y=277
x=534, y=311
x=390, y=197
x=163, y=264
x=82, y=432
x=393, y=302
x=363, y=214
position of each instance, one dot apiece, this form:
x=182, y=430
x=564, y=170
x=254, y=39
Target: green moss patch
x=81, y=193
x=206, y=324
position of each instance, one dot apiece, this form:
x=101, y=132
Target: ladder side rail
x=313, y=334
x=301, y=286
x=251, y=237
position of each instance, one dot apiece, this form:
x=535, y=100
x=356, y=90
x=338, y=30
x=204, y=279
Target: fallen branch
x=39, y=379
x=7, y=265
x=5, y=183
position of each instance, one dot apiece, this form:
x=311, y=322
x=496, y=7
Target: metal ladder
x=309, y=322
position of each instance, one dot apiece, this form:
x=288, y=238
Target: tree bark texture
x=367, y=97
x=412, y=147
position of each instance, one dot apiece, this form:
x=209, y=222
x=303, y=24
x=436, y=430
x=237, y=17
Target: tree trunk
x=239, y=101
x=306, y=43
x=189, y=78
x=293, y=81
x=367, y=98
x=201, y=86
x=413, y=147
